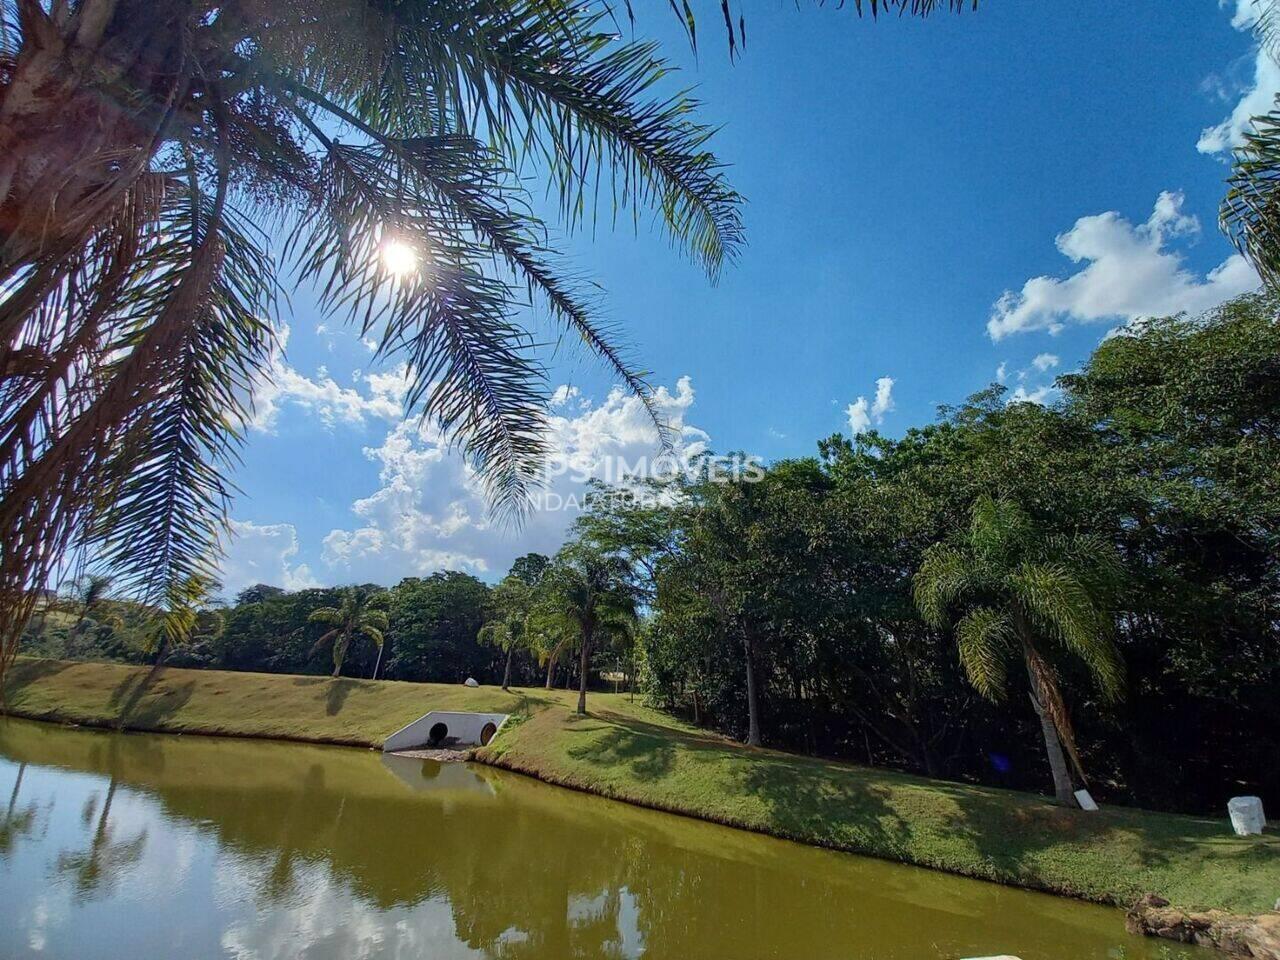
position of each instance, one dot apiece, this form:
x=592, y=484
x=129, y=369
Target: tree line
x=1093, y=583
x=1077, y=594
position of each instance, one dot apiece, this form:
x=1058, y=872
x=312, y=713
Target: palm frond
x=167, y=490
x=325, y=639
x=1066, y=610
x=469, y=366
x=985, y=639
x=943, y=577
x=1250, y=212
x=998, y=529
x=1266, y=26
x=541, y=80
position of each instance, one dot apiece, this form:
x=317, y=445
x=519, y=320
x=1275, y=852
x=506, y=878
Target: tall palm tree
x=1250, y=213
x=89, y=594
x=361, y=612
x=588, y=594
x=1031, y=597
x=507, y=629
x=142, y=147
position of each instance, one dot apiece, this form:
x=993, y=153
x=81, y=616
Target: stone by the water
x=1247, y=818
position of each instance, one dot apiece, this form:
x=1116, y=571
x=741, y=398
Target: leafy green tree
x=587, y=595
x=435, y=625
x=258, y=593
x=362, y=612
x=1026, y=596
x=529, y=568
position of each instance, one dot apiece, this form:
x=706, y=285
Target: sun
x=399, y=258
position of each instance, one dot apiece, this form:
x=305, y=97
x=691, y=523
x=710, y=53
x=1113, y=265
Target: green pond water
x=133, y=846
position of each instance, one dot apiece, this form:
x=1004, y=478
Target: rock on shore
x=1253, y=938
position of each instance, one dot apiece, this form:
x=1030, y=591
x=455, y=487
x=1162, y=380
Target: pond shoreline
x=625, y=751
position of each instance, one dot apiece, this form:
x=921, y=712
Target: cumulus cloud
x=859, y=418
x=263, y=553
x=1045, y=361
x=1128, y=272
x=382, y=398
x=1257, y=97
x=863, y=414
x=428, y=511
x=1041, y=395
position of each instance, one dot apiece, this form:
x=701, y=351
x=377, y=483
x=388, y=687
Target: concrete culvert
x=486, y=734
x=438, y=734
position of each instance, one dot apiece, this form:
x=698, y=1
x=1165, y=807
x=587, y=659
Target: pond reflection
x=128, y=846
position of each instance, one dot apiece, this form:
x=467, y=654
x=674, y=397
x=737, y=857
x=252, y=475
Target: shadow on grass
x=141, y=702
x=336, y=695
x=23, y=673
x=646, y=755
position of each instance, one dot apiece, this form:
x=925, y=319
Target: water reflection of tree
x=96, y=869
x=531, y=872
x=18, y=822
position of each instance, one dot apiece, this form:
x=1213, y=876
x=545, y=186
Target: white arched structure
x=459, y=730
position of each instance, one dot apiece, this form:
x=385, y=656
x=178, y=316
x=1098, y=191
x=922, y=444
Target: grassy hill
x=629, y=752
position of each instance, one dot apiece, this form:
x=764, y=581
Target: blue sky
x=934, y=203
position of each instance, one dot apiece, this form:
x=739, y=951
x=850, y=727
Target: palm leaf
x=1250, y=213
x=985, y=639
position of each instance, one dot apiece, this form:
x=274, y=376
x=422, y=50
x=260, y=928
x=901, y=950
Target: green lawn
x=627, y=751
x=357, y=713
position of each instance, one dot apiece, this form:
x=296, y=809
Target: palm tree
x=1250, y=213
x=90, y=593
x=1029, y=596
x=588, y=595
x=360, y=612
x=143, y=145
x=511, y=602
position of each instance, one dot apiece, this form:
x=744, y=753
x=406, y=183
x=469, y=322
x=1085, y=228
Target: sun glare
x=400, y=259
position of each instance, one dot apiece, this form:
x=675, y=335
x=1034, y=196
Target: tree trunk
x=506, y=674
x=583, y=665
x=551, y=670
x=339, y=654
x=65, y=147
x=753, y=703
x=1062, y=788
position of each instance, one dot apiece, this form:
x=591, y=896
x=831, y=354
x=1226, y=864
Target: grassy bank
x=626, y=751
x=358, y=713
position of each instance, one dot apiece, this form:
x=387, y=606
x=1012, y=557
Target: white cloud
x=263, y=553
x=1002, y=371
x=884, y=398
x=1128, y=273
x=1040, y=395
x=1245, y=14
x=429, y=512
x=1257, y=98
x=862, y=415
x=326, y=398
x=563, y=394
x=859, y=419
x=1045, y=361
